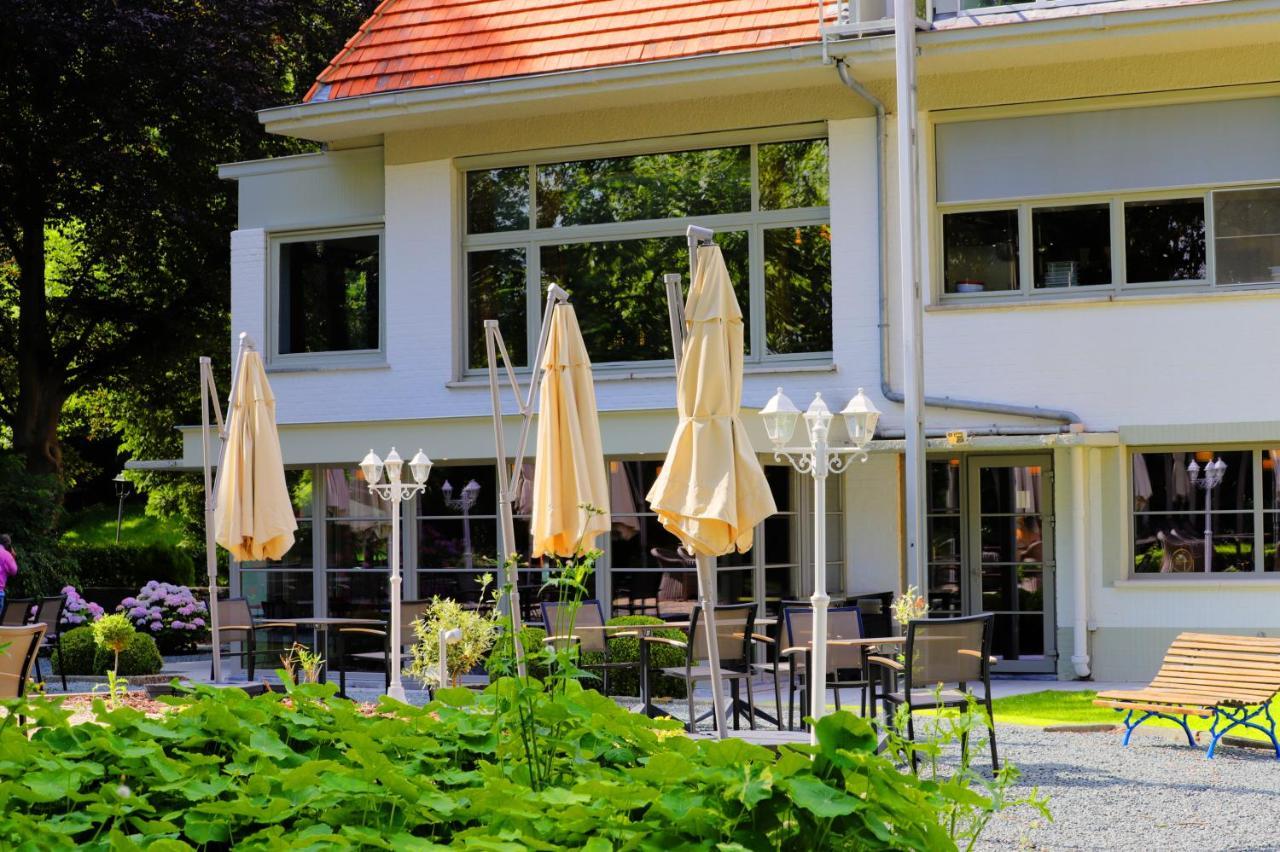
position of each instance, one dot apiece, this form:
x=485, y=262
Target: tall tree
x=113, y=224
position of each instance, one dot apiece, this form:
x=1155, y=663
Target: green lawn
x=97, y=525
x=1052, y=707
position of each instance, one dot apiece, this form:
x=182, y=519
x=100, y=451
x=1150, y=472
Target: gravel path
x=1153, y=795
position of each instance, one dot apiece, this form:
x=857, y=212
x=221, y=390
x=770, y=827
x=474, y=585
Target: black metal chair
x=49, y=613
x=941, y=652
x=581, y=627
x=23, y=643
x=876, y=620
x=17, y=612
x=734, y=634
x=845, y=664
x=236, y=623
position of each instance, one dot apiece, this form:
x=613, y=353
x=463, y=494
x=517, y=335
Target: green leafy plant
x=301, y=664
x=113, y=633
x=74, y=653
x=139, y=657
x=479, y=631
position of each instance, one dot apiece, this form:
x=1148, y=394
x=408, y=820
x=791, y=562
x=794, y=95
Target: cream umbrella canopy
x=711, y=491
x=252, y=513
x=569, y=469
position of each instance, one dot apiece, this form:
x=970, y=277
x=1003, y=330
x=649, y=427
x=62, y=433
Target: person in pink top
x=8, y=566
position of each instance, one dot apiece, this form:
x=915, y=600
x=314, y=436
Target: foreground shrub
x=171, y=614
x=81, y=656
x=75, y=657
x=479, y=631
x=312, y=771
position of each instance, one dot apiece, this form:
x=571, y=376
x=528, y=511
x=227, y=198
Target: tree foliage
x=113, y=223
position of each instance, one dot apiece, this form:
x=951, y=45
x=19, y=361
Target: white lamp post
x=464, y=501
x=1212, y=478
x=395, y=492
x=819, y=459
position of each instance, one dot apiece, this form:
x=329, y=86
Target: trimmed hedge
x=132, y=565
x=625, y=649
x=84, y=657
x=530, y=639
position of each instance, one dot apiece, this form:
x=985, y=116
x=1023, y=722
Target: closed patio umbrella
x=569, y=469
x=252, y=514
x=711, y=491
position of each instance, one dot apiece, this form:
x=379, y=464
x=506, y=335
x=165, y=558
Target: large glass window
x=607, y=229
x=1124, y=242
x=1164, y=240
x=284, y=589
x=457, y=531
x=1203, y=510
x=980, y=251
x=328, y=294
x=357, y=531
x=1072, y=245
x=1246, y=233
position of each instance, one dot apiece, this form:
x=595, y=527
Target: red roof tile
x=419, y=43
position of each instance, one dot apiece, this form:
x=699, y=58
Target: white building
x=1100, y=239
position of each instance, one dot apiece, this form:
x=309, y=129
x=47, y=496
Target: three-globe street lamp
x=1213, y=472
x=819, y=459
x=395, y=492
x=464, y=501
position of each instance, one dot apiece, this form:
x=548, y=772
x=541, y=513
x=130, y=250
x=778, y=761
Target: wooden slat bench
x=1230, y=679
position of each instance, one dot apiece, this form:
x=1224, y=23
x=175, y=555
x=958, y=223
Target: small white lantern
x=817, y=418
x=394, y=463
x=779, y=415
x=861, y=416
x=372, y=467
x=1193, y=470
x=420, y=465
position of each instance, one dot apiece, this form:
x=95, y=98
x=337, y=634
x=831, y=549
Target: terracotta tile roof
x=409, y=44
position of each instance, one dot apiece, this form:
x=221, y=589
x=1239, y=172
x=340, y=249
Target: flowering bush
x=170, y=614
x=909, y=606
x=78, y=610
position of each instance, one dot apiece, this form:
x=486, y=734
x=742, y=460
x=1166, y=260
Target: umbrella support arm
x=208, y=394
x=508, y=485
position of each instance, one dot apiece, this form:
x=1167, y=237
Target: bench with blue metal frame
x=1231, y=680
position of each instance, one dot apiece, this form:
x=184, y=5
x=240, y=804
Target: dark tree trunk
x=41, y=379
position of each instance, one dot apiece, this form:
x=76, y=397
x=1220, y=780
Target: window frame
x=1257, y=513
x=753, y=222
x=1027, y=293
x=354, y=358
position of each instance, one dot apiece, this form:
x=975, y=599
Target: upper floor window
x=1136, y=242
x=608, y=228
x=1203, y=510
x=327, y=298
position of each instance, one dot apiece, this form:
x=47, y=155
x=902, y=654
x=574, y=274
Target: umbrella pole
x=507, y=485
x=210, y=554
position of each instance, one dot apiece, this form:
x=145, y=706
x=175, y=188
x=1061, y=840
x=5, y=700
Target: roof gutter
x=311, y=118
x=882, y=325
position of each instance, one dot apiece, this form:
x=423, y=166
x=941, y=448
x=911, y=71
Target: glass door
x=990, y=549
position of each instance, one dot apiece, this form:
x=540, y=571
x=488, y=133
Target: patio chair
x=1231, y=679
x=236, y=623
x=845, y=664
x=590, y=614
x=941, y=651
x=17, y=611
x=15, y=660
x=410, y=612
x=49, y=613
x=735, y=637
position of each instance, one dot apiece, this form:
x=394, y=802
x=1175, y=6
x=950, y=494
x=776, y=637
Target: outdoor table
x=320, y=627
x=647, y=707
x=866, y=644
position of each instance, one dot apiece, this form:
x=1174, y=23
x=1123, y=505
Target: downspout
x=1080, y=584
x=882, y=326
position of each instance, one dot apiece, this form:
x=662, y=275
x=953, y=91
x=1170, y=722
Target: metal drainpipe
x=886, y=389
x=1080, y=584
